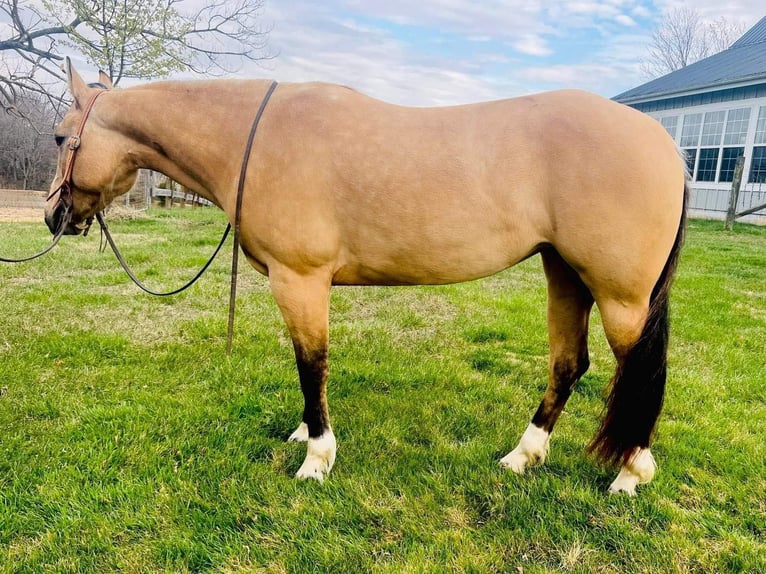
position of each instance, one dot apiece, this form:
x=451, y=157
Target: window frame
x=730, y=161
x=757, y=169
x=723, y=127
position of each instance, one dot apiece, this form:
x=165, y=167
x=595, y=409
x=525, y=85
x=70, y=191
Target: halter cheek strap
x=73, y=143
x=65, y=189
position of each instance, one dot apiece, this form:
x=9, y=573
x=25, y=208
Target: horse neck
x=190, y=131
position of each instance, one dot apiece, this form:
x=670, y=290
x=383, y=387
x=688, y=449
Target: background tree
x=27, y=153
x=683, y=38
x=125, y=38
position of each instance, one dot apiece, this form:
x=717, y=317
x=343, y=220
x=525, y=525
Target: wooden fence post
x=734, y=197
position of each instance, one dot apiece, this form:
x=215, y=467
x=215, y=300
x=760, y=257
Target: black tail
x=638, y=388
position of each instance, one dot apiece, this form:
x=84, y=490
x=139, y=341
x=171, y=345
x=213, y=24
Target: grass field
x=129, y=442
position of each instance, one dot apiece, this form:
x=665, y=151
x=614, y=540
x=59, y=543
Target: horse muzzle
x=61, y=216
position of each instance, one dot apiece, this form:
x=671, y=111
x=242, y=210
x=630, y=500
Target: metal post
x=734, y=197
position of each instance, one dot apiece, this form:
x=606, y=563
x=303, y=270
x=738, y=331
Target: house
x=716, y=111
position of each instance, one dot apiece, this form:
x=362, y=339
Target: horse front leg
x=304, y=301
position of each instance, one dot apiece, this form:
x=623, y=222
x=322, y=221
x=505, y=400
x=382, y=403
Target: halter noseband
x=73, y=143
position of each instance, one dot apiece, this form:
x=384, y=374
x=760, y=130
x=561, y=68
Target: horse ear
x=77, y=86
x=103, y=78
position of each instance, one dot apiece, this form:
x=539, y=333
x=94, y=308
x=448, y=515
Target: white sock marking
x=301, y=434
x=531, y=451
x=320, y=457
x=639, y=469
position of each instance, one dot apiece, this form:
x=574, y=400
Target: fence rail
x=22, y=199
x=712, y=203
x=161, y=193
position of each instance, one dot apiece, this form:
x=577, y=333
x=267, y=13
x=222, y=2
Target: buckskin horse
x=344, y=189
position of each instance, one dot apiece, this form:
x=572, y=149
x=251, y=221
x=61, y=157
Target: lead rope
x=238, y=217
x=235, y=255
x=105, y=233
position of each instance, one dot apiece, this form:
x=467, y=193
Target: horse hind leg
x=638, y=336
x=569, y=306
x=637, y=328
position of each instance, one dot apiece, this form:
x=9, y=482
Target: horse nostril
x=53, y=218
x=50, y=221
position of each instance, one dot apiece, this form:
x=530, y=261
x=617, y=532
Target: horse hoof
x=639, y=469
x=319, y=458
x=531, y=451
x=623, y=485
x=301, y=434
x=514, y=461
x=312, y=469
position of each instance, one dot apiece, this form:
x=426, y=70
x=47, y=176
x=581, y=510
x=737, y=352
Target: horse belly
x=411, y=256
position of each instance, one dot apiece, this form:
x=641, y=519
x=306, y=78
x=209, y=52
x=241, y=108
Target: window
x=760, y=129
x=758, y=165
x=670, y=123
x=728, y=161
x=712, y=128
x=714, y=140
x=707, y=164
x=736, y=126
x=690, y=133
x=691, y=159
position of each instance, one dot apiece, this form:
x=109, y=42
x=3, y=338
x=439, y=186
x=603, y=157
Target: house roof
x=743, y=62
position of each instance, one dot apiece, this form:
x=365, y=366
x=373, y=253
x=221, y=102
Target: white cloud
x=498, y=18
x=379, y=47
x=625, y=20
x=591, y=8
x=568, y=75
x=397, y=81
x=321, y=46
x=641, y=12
x=749, y=11
x=532, y=45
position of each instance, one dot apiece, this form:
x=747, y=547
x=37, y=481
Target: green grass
x=129, y=442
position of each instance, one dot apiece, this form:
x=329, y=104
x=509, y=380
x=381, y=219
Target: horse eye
x=59, y=140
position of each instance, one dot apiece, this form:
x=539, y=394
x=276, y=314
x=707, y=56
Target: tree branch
x=129, y=38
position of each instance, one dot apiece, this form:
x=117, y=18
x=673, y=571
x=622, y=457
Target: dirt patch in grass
x=22, y=206
x=21, y=214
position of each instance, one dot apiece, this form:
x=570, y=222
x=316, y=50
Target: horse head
x=93, y=158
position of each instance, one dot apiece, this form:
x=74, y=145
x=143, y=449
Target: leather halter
x=73, y=143
x=65, y=189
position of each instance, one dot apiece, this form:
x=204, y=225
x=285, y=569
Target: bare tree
x=722, y=33
x=27, y=54
x=126, y=38
x=684, y=38
x=27, y=153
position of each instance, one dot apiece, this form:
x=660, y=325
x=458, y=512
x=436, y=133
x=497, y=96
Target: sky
x=443, y=52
